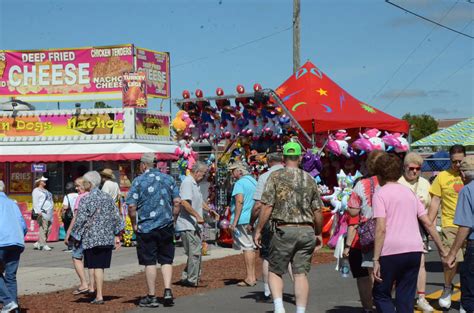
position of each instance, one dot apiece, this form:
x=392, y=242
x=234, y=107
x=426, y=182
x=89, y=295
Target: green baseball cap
x=292, y=148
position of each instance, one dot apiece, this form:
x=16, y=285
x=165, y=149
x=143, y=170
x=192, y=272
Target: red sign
x=156, y=65
x=134, y=90
x=33, y=228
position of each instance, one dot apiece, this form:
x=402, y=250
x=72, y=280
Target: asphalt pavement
x=329, y=292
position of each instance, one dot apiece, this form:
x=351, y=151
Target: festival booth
x=310, y=108
x=343, y=131
x=64, y=144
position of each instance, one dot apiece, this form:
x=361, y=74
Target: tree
x=101, y=105
x=421, y=125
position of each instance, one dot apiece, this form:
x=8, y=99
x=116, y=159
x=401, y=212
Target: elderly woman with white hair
x=97, y=227
x=421, y=187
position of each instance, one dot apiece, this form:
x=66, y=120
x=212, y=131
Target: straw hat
x=108, y=173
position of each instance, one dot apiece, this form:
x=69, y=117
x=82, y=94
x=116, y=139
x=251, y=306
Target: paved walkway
x=47, y=271
x=329, y=292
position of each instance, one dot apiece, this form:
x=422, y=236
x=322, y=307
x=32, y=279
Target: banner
x=47, y=125
x=33, y=228
x=21, y=178
x=59, y=72
x=152, y=124
x=156, y=65
x=134, y=90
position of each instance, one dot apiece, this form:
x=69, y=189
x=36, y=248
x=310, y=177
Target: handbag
x=366, y=229
x=34, y=215
x=67, y=214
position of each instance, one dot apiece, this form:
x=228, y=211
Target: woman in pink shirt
x=398, y=243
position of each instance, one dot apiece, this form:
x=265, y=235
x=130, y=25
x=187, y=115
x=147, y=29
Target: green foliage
x=101, y=105
x=421, y=125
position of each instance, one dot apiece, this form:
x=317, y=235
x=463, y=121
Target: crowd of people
x=392, y=213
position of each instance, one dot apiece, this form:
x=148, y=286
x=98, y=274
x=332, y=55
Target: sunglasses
x=456, y=161
x=411, y=168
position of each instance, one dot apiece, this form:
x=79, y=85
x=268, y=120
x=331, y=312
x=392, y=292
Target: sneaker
x=9, y=307
x=461, y=309
x=168, y=299
x=47, y=248
x=36, y=246
x=148, y=302
x=265, y=299
x=445, y=299
x=423, y=305
x=279, y=311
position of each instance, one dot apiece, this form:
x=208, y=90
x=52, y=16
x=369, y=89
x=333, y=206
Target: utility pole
x=296, y=35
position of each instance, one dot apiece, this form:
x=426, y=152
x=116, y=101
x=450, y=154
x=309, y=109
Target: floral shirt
x=97, y=220
x=361, y=197
x=153, y=193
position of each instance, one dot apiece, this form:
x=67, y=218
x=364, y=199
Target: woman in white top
x=67, y=212
x=109, y=185
x=420, y=186
x=43, y=205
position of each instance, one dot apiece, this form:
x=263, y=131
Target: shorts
x=293, y=244
x=367, y=259
x=156, y=246
x=245, y=240
x=355, y=262
x=448, y=235
x=265, y=242
x=78, y=252
x=98, y=257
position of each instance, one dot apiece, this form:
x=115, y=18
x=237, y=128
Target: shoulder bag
x=367, y=228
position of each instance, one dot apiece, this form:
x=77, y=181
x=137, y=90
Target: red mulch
x=124, y=294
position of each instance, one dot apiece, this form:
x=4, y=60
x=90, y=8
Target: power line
x=411, y=53
x=429, y=20
x=235, y=47
x=453, y=73
x=425, y=68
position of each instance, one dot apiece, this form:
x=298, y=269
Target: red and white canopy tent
x=319, y=105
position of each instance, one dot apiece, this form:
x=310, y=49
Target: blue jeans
x=9, y=261
x=467, y=278
x=401, y=268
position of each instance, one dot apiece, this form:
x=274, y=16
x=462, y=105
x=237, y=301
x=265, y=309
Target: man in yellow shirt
x=444, y=191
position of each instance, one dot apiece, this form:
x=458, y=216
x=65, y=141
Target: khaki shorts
x=448, y=235
x=291, y=244
x=245, y=240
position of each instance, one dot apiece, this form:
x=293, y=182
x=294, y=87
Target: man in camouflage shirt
x=293, y=205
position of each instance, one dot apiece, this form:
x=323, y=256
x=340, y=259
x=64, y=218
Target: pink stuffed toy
x=362, y=144
x=338, y=145
x=404, y=145
x=391, y=141
x=373, y=136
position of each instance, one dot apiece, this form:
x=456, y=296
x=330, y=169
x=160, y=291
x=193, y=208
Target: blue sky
x=359, y=44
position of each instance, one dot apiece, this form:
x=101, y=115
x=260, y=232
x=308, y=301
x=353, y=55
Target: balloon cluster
x=249, y=116
x=187, y=157
x=368, y=141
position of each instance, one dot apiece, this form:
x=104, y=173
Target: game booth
x=63, y=144
x=336, y=130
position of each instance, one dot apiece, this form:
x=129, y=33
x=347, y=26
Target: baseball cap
x=467, y=163
x=292, y=148
x=236, y=165
x=148, y=157
x=273, y=149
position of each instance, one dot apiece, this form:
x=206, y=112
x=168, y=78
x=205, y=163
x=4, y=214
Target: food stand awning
x=310, y=95
x=84, y=152
x=461, y=133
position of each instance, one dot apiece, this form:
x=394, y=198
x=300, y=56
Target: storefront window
x=21, y=178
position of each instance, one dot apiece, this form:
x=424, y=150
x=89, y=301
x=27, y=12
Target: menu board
x=21, y=178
